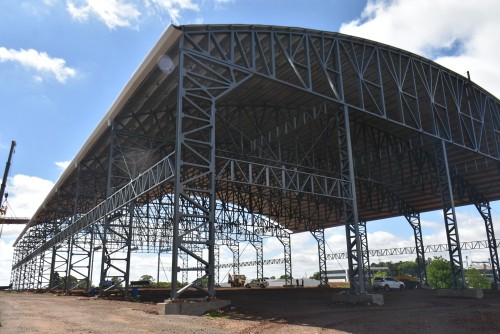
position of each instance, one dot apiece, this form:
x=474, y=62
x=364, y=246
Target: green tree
x=69, y=282
x=315, y=276
x=439, y=273
x=408, y=268
x=285, y=277
x=476, y=280
x=147, y=278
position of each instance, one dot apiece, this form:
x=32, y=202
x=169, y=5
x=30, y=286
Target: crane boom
x=6, y=173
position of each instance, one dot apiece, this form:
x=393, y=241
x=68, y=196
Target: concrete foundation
x=191, y=306
x=358, y=299
x=466, y=293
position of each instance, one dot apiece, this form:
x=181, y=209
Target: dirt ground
x=270, y=310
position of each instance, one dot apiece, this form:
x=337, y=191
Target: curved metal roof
x=399, y=104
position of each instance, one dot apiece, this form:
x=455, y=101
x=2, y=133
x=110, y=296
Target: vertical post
x=126, y=275
x=216, y=265
x=365, y=252
x=194, y=182
x=235, y=249
x=284, y=238
x=413, y=219
x=319, y=234
x=485, y=211
x=443, y=171
x=257, y=244
x=348, y=193
x=105, y=257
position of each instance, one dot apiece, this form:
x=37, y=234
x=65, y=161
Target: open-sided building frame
x=231, y=133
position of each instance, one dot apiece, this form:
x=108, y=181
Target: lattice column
x=450, y=218
x=319, y=235
x=31, y=271
x=117, y=234
x=59, y=265
x=365, y=252
x=185, y=264
x=354, y=254
x=257, y=244
x=43, y=272
x=81, y=259
x=235, y=250
x=284, y=238
x=194, y=179
x=485, y=212
x=414, y=219
x=216, y=265
x=202, y=80
x=15, y=274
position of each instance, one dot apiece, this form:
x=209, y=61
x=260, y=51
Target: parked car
x=257, y=283
x=387, y=283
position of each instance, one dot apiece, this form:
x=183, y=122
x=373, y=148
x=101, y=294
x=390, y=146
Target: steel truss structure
x=468, y=245
x=234, y=133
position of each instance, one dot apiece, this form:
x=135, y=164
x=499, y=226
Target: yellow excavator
x=236, y=280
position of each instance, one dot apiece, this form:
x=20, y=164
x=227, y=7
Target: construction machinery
x=236, y=280
x=409, y=281
x=4, y=180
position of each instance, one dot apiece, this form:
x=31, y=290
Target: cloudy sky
x=63, y=62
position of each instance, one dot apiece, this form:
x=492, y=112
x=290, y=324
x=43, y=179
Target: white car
x=387, y=283
x=257, y=283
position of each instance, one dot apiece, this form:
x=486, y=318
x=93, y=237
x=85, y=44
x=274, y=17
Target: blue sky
x=63, y=62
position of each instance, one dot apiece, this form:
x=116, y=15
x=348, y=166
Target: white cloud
x=174, y=7
x=62, y=165
x=26, y=194
x=6, y=253
x=460, y=35
x=50, y=2
x=40, y=62
x=114, y=13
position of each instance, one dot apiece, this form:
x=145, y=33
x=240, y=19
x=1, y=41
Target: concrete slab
x=461, y=293
x=191, y=306
x=374, y=298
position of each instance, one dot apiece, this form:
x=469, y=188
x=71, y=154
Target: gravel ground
x=276, y=311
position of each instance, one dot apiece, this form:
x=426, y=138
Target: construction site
x=232, y=134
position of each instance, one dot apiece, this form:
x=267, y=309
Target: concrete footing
x=358, y=299
x=191, y=306
x=461, y=293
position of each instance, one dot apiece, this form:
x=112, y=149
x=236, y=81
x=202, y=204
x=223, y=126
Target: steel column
x=413, y=219
x=355, y=258
x=365, y=252
x=443, y=172
x=485, y=212
x=257, y=244
x=319, y=235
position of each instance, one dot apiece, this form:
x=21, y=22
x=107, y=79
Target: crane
x=3, y=209
x=5, y=175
